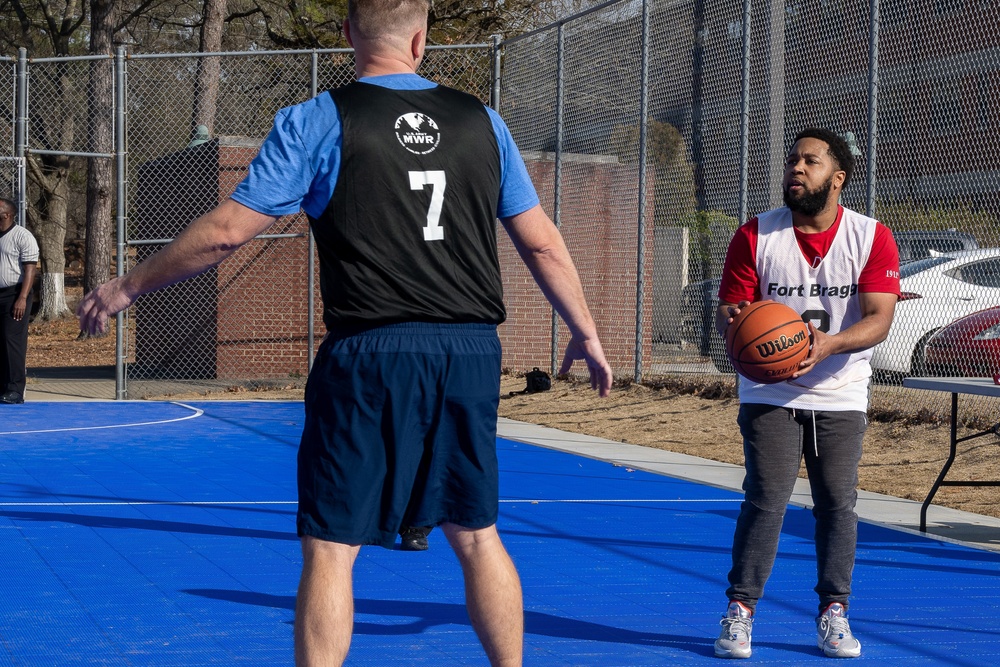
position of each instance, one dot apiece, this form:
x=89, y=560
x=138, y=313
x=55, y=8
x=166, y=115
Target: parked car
x=936, y=291
x=968, y=347
x=920, y=243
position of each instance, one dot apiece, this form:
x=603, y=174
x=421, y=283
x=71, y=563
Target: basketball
x=766, y=342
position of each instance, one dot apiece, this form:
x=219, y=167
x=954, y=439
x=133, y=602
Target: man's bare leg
x=324, y=607
x=492, y=592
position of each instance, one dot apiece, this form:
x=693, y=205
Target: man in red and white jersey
x=840, y=270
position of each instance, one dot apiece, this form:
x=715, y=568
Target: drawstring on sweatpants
x=815, y=444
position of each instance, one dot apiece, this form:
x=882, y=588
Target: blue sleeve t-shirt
x=299, y=162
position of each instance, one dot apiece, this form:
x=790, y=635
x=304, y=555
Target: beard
x=810, y=202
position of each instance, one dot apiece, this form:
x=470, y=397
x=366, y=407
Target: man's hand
x=203, y=244
x=105, y=301
x=17, y=312
x=725, y=314
x=819, y=349
x=589, y=350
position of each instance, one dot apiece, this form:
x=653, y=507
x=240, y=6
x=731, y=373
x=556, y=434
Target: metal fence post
x=640, y=263
x=745, y=115
x=557, y=175
x=121, y=392
x=777, y=96
x=21, y=129
x=495, y=75
x=872, y=106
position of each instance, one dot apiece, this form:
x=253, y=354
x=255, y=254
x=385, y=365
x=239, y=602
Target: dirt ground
x=902, y=457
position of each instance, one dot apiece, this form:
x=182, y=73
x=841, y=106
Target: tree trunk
x=206, y=87
x=51, y=174
x=50, y=229
x=100, y=197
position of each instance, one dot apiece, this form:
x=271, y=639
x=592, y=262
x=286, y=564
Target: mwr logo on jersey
x=418, y=133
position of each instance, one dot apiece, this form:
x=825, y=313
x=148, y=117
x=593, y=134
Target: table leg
x=947, y=464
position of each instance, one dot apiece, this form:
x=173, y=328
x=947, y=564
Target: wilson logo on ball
x=780, y=344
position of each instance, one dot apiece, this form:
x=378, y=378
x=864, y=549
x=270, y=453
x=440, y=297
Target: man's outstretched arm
x=203, y=244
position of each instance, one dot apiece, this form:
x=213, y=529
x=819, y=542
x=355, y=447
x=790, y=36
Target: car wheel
x=918, y=364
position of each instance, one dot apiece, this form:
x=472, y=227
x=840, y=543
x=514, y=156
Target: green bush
x=675, y=203
x=710, y=232
x=672, y=171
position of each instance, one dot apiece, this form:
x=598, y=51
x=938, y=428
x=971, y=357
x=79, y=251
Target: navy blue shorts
x=400, y=429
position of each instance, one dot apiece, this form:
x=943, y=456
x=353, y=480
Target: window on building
x=892, y=110
x=893, y=12
x=984, y=102
x=946, y=7
x=735, y=31
x=833, y=20
x=946, y=107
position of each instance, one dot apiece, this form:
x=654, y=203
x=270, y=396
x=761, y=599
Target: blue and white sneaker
x=833, y=634
x=737, y=626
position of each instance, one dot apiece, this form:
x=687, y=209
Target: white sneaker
x=737, y=626
x=833, y=634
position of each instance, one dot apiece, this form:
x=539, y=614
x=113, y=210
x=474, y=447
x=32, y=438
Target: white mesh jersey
x=825, y=292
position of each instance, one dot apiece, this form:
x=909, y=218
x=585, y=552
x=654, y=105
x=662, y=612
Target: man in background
x=18, y=259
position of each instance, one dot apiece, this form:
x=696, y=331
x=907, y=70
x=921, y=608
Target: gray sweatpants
x=774, y=441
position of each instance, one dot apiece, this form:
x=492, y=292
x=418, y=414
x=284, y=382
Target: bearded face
x=807, y=201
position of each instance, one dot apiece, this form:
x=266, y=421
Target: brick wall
x=248, y=318
x=599, y=205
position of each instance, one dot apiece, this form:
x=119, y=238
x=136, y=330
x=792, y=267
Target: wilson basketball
x=767, y=341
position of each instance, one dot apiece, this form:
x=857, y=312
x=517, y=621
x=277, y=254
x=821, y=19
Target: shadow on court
x=427, y=615
x=104, y=522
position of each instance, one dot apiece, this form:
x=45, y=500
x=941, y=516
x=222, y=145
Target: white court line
x=295, y=502
x=197, y=413
x=624, y=500
x=154, y=502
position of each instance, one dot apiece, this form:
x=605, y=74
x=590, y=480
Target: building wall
x=263, y=325
x=256, y=324
x=247, y=318
x=599, y=206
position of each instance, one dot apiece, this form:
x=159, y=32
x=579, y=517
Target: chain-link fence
x=652, y=130
x=724, y=88
x=173, y=135
x=233, y=325
x=12, y=181
x=12, y=173
x=8, y=80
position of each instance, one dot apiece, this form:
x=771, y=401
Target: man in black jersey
x=403, y=182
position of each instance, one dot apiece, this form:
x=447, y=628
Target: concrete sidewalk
x=66, y=383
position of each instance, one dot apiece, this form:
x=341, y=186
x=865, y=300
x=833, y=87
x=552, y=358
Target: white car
x=936, y=291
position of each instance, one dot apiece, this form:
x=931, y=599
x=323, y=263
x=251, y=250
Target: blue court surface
x=138, y=533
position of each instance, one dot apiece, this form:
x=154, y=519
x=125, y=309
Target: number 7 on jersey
x=436, y=179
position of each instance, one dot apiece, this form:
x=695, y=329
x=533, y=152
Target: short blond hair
x=377, y=19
